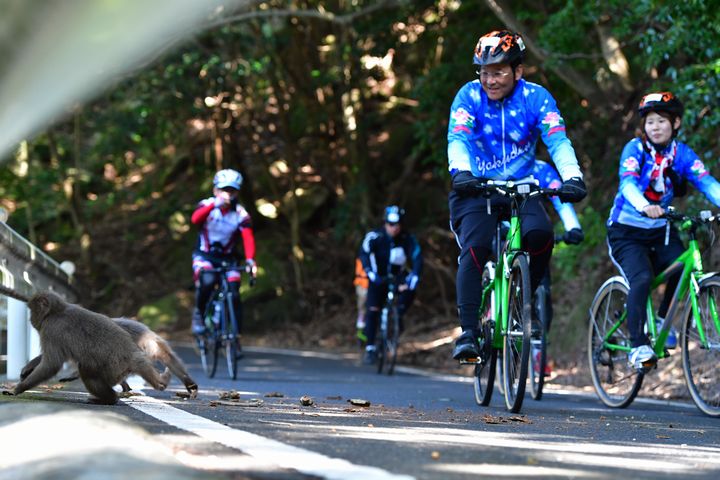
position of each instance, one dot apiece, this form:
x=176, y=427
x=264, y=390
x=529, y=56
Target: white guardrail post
x=25, y=270
x=17, y=337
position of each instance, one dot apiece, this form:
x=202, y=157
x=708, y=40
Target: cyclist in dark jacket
x=386, y=251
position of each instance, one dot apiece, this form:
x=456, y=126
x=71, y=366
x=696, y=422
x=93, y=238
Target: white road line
x=259, y=447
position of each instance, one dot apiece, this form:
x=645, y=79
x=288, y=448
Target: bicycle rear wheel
x=484, y=374
x=485, y=369
x=701, y=359
x=230, y=338
x=616, y=382
x=516, y=346
x=538, y=343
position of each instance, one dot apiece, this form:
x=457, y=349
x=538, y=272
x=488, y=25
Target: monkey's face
x=41, y=304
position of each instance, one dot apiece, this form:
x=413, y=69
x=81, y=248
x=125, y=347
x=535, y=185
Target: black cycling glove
x=574, y=236
x=572, y=190
x=464, y=182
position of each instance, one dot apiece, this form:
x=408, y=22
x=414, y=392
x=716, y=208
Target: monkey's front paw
x=8, y=392
x=165, y=378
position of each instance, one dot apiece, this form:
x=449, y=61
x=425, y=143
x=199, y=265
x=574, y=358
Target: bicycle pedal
x=647, y=366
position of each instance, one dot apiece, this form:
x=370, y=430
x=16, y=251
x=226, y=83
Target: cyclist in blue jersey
x=388, y=250
x=654, y=168
x=495, y=123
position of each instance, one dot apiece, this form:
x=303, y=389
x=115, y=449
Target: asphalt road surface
x=417, y=425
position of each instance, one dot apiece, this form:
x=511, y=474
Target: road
x=418, y=425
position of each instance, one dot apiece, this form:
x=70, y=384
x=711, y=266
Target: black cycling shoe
x=466, y=346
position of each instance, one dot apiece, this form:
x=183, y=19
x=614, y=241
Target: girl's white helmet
x=228, y=178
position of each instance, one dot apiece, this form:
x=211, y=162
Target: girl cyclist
x=222, y=220
x=654, y=168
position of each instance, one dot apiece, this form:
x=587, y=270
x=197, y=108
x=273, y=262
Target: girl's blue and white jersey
x=643, y=180
x=497, y=139
x=547, y=177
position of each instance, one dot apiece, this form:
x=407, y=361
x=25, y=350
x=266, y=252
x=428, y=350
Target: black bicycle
x=222, y=328
x=389, y=335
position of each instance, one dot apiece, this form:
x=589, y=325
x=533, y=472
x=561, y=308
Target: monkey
x=104, y=352
x=154, y=346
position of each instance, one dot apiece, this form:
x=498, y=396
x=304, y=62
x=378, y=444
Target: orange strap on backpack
x=361, y=278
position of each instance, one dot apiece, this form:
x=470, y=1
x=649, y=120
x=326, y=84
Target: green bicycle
x=505, y=311
x=694, y=301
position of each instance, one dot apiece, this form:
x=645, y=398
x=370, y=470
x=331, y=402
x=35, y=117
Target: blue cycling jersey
x=643, y=181
x=497, y=139
x=547, y=177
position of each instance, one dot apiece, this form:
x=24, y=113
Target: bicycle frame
x=226, y=295
x=501, y=284
x=390, y=301
x=685, y=294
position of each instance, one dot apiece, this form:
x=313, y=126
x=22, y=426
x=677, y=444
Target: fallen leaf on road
x=255, y=402
x=232, y=394
x=359, y=402
x=435, y=455
x=487, y=418
x=275, y=395
x=306, y=400
x=521, y=419
x=662, y=436
x=129, y=394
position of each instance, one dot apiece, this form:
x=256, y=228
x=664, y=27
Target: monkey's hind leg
x=98, y=386
x=176, y=366
x=142, y=366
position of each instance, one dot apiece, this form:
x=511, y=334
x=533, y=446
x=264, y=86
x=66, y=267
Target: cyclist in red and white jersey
x=222, y=221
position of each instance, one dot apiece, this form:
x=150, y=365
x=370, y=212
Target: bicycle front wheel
x=393, y=340
x=701, y=358
x=616, y=382
x=208, y=343
x=538, y=342
x=230, y=338
x=516, y=346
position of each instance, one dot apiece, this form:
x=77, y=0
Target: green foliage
x=293, y=103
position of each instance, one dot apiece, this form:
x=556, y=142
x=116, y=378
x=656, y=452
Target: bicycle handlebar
x=227, y=266
x=705, y=216
x=514, y=189
x=672, y=215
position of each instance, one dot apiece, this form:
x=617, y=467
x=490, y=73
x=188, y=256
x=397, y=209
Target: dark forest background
x=332, y=110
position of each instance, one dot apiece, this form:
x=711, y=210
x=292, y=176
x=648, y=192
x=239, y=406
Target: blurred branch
x=344, y=19
x=569, y=75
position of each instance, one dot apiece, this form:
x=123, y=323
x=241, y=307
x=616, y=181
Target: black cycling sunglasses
x=229, y=189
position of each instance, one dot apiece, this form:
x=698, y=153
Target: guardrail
x=25, y=269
